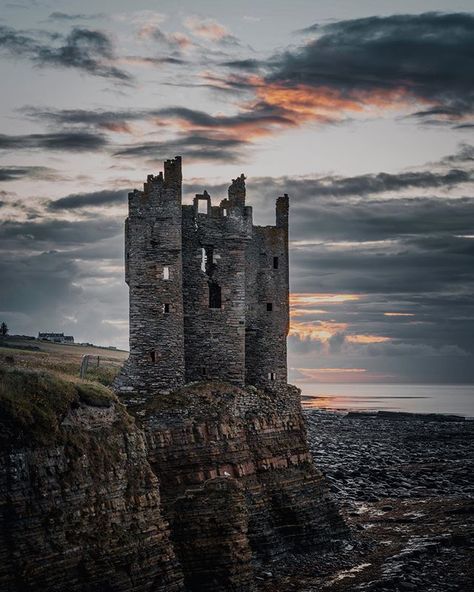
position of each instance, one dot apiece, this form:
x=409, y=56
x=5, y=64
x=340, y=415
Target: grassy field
x=61, y=360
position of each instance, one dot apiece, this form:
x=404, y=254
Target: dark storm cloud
x=84, y=49
x=247, y=65
x=190, y=146
x=73, y=141
x=55, y=233
x=375, y=220
x=259, y=117
x=380, y=183
x=380, y=60
x=13, y=173
x=93, y=199
x=87, y=50
x=103, y=119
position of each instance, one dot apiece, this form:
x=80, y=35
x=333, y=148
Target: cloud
x=374, y=63
x=192, y=146
x=210, y=30
x=103, y=119
x=378, y=183
x=258, y=121
x=63, y=16
x=93, y=199
x=14, y=173
x=73, y=141
x=56, y=233
x=84, y=49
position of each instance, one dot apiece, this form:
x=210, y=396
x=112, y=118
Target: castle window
x=269, y=306
x=215, y=297
x=207, y=259
x=202, y=206
x=224, y=212
x=154, y=356
x=272, y=376
x=166, y=308
x=166, y=272
x=275, y=262
x=203, y=371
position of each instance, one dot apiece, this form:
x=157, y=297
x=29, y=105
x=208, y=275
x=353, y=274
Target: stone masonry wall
x=153, y=242
x=267, y=311
x=209, y=319
x=214, y=258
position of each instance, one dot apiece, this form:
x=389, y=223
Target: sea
x=450, y=399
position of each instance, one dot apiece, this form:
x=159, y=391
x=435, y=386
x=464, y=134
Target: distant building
x=56, y=337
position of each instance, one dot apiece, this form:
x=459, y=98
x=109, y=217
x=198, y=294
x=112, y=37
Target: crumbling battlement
x=208, y=289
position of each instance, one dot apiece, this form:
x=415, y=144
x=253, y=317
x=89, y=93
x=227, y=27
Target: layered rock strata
x=80, y=507
x=214, y=431
x=210, y=486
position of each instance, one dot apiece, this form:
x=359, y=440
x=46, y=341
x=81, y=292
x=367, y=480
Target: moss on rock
x=34, y=403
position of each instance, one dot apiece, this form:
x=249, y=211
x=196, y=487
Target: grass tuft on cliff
x=34, y=402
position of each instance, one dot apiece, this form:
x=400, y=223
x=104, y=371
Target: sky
x=361, y=111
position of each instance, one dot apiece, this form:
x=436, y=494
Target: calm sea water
x=415, y=398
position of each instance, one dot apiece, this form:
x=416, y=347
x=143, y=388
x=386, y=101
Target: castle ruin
x=208, y=289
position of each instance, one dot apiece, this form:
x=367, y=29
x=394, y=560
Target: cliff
x=79, y=505
x=201, y=492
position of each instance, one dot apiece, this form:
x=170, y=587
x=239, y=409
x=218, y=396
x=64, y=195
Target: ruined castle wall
x=154, y=275
x=208, y=290
x=267, y=306
x=214, y=244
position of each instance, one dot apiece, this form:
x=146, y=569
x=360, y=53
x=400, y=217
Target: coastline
x=404, y=485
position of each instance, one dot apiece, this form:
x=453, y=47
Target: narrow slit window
x=275, y=262
x=224, y=212
x=166, y=308
x=215, y=296
x=269, y=306
x=166, y=272
x=203, y=371
x=207, y=259
x=153, y=357
x=272, y=376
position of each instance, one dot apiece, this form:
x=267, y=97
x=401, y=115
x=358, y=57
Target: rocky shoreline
x=405, y=486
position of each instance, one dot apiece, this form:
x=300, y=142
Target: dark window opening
x=275, y=262
x=269, y=306
x=272, y=376
x=215, y=297
x=203, y=371
x=154, y=355
x=166, y=308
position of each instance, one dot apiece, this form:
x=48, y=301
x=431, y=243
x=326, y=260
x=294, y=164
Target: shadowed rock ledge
x=201, y=492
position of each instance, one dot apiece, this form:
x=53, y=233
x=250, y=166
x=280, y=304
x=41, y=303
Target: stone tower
x=208, y=289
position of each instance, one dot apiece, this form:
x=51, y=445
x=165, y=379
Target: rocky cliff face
x=79, y=505
x=215, y=484
x=255, y=440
